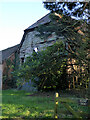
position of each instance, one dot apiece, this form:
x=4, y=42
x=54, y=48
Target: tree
x=46, y=69
x=78, y=10
x=8, y=78
x=76, y=33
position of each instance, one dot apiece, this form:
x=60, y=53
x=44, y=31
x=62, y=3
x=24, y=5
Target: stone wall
x=32, y=41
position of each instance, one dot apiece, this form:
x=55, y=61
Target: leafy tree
x=47, y=68
x=8, y=79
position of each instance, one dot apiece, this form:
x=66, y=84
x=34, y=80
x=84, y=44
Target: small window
x=22, y=60
x=35, y=49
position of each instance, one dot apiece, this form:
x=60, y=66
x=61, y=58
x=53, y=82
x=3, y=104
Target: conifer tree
x=76, y=33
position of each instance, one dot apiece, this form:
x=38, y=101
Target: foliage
x=9, y=80
x=47, y=68
x=75, y=9
x=76, y=37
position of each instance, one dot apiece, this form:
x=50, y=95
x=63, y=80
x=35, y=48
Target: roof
x=44, y=20
x=7, y=52
x=41, y=21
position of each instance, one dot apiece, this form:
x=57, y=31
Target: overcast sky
x=15, y=17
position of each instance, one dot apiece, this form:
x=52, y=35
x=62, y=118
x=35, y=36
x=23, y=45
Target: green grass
x=18, y=104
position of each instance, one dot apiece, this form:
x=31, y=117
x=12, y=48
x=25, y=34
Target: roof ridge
x=43, y=17
x=6, y=53
x=37, y=22
x=11, y=47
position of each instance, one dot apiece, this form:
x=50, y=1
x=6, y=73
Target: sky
x=15, y=17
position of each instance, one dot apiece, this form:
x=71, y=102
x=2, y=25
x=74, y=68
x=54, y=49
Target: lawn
x=26, y=105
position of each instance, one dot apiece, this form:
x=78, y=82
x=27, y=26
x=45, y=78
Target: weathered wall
x=7, y=69
x=32, y=41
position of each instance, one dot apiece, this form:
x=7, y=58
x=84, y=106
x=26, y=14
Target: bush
x=47, y=68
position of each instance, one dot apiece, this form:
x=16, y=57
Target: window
x=22, y=60
x=35, y=49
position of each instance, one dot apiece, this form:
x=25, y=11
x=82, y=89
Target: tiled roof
x=41, y=21
x=7, y=52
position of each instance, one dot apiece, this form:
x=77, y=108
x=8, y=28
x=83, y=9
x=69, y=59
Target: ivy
x=45, y=68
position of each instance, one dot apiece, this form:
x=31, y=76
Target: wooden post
x=69, y=84
x=77, y=81
x=56, y=105
x=73, y=83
